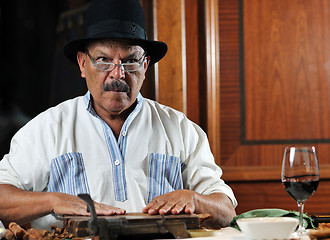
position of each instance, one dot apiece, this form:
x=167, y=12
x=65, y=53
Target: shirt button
x=124, y=133
x=117, y=162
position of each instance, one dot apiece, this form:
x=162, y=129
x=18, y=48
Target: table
x=227, y=233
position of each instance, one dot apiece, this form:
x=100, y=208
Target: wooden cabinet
x=274, y=92
x=256, y=76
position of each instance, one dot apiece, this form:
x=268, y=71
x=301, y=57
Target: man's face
x=113, y=91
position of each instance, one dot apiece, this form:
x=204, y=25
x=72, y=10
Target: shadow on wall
x=35, y=74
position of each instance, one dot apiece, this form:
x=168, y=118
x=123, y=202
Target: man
x=129, y=153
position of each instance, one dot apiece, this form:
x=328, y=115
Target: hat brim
x=155, y=49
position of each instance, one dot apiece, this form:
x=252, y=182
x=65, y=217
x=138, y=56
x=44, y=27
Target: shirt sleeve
x=201, y=173
x=22, y=167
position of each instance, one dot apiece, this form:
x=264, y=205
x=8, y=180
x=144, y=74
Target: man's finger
x=178, y=208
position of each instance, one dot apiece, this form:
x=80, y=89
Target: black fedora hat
x=116, y=19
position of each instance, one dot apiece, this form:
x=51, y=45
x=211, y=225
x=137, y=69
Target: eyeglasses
x=109, y=66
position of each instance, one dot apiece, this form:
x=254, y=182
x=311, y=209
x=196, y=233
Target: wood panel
x=194, y=66
x=230, y=90
x=286, y=77
x=262, y=173
x=270, y=64
x=258, y=91
x=148, y=89
x=270, y=194
x=212, y=74
x=176, y=83
x=250, y=79
x=172, y=76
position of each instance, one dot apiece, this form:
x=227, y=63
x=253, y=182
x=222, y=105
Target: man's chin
x=117, y=106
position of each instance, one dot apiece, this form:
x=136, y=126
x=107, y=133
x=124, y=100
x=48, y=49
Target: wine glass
x=300, y=178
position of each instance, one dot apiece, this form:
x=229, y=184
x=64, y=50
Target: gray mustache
x=116, y=86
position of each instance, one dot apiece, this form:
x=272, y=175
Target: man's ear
x=146, y=63
x=81, y=58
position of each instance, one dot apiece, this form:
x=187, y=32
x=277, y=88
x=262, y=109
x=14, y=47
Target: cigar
x=9, y=235
x=56, y=230
x=36, y=234
x=17, y=230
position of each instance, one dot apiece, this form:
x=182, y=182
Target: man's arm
x=22, y=207
x=186, y=201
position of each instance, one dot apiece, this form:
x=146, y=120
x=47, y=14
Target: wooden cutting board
x=136, y=223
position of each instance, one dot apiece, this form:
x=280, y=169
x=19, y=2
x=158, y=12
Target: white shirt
x=69, y=149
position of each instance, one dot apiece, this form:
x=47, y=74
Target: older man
x=129, y=153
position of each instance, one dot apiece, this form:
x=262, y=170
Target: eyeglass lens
x=129, y=67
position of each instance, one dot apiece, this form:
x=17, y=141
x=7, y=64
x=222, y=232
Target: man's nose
x=118, y=71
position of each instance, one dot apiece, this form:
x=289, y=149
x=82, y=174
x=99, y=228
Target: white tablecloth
x=228, y=233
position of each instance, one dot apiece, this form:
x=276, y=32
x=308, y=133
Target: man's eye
x=102, y=59
x=132, y=60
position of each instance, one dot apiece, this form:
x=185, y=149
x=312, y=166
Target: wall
x=274, y=78
x=260, y=83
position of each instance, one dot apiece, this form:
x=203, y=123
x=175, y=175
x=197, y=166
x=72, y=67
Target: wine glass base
x=300, y=234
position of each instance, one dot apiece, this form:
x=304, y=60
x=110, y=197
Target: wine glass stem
x=301, y=228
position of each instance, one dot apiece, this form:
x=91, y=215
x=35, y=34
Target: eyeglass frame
x=120, y=65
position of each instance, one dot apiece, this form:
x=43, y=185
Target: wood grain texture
x=172, y=69
x=274, y=58
x=148, y=89
x=230, y=115
x=255, y=97
x=271, y=194
x=286, y=75
x=193, y=67
x=262, y=173
x=193, y=53
x=212, y=74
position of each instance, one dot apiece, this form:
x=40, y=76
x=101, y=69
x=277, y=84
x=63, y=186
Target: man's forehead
x=114, y=44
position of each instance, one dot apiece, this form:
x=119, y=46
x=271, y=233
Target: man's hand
x=64, y=204
x=185, y=201
x=176, y=202
x=22, y=207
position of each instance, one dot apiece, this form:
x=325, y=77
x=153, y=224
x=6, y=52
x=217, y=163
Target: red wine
x=300, y=191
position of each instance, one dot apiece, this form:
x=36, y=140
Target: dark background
x=35, y=74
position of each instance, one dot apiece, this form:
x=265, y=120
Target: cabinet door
x=274, y=91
